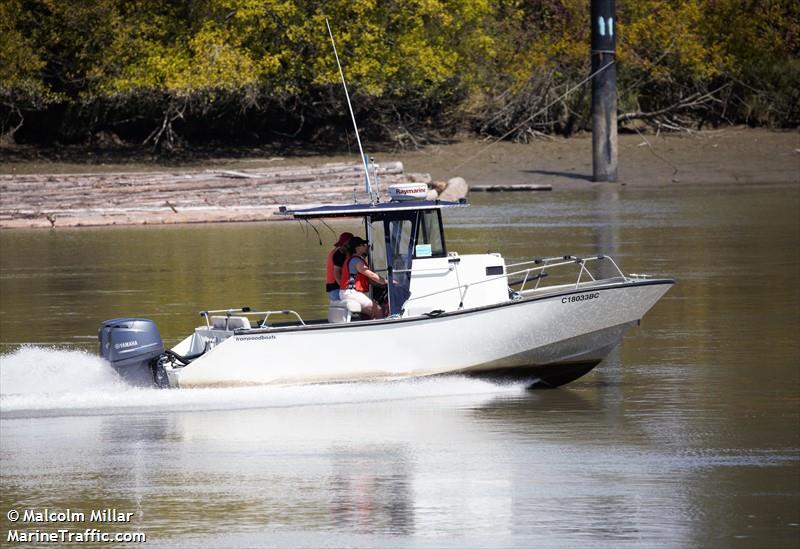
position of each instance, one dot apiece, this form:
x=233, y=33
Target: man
x=334, y=264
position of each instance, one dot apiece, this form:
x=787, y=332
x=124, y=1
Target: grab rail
x=246, y=311
x=282, y=312
x=559, y=261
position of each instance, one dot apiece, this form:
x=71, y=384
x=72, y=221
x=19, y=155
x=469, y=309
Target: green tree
x=21, y=86
x=262, y=70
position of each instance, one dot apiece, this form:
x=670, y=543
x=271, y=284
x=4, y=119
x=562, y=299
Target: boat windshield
x=398, y=239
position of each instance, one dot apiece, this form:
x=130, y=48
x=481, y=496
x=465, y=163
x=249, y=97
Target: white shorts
x=358, y=297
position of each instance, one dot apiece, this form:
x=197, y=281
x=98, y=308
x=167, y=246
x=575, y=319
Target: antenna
x=352, y=116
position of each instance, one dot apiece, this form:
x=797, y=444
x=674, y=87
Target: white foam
x=51, y=381
x=42, y=370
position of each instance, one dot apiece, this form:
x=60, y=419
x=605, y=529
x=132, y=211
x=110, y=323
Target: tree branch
x=695, y=100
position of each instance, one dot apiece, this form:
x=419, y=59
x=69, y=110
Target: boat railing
x=267, y=314
x=541, y=265
x=536, y=273
x=246, y=311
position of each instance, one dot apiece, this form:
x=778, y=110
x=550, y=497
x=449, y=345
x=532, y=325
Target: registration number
x=580, y=297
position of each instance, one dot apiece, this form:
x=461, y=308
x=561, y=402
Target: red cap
x=344, y=238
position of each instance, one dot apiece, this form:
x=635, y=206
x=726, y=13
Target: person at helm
x=357, y=276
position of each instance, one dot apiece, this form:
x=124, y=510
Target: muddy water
x=687, y=436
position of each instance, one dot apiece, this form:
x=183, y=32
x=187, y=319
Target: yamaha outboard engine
x=133, y=347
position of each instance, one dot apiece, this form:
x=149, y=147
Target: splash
x=37, y=381
x=40, y=370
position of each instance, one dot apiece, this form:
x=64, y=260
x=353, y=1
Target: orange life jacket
x=331, y=278
x=359, y=283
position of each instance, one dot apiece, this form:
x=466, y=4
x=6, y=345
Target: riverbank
x=730, y=156
x=52, y=193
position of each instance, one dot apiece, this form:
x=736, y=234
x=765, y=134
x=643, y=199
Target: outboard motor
x=133, y=347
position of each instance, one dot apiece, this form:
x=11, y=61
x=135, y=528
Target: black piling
x=604, y=91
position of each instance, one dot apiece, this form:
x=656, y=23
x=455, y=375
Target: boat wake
x=47, y=381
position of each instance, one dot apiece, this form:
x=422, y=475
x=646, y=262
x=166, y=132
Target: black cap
x=355, y=242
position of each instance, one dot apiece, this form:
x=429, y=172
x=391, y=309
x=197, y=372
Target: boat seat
x=229, y=323
x=342, y=311
x=237, y=322
x=219, y=322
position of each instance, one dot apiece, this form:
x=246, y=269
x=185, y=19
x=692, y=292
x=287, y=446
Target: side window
x=429, y=235
x=377, y=258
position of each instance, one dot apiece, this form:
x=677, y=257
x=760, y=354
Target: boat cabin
x=408, y=246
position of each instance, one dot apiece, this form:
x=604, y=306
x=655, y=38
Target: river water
x=688, y=435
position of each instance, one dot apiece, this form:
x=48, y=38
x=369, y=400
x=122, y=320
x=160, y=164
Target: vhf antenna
x=352, y=116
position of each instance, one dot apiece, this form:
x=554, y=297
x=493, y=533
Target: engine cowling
x=133, y=347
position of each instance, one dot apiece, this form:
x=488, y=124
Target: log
x=85, y=199
x=509, y=188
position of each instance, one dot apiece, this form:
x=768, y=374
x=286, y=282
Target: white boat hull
x=554, y=337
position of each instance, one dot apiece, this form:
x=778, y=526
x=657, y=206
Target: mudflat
x=730, y=156
x=47, y=194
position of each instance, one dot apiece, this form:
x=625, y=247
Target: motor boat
x=447, y=313
x=547, y=320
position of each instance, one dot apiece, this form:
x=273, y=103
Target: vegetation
x=244, y=72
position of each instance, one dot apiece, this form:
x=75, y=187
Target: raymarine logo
x=412, y=190
x=124, y=344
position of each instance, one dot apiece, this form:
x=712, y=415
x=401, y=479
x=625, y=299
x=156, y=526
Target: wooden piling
x=604, y=91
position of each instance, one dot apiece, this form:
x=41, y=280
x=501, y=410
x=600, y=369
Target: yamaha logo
x=125, y=344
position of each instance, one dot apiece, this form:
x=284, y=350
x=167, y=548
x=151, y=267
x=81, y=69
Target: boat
x=547, y=321
x=448, y=314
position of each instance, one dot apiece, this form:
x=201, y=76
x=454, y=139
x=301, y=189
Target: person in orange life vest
x=356, y=278
x=334, y=264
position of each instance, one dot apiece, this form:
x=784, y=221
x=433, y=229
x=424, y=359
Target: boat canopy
x=374, y=211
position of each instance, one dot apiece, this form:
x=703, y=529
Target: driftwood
x=509, y=188
x=181, y=197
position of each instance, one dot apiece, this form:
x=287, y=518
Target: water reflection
x=371, y=490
